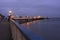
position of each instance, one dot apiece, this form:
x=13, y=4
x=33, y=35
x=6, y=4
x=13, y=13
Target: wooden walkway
x=5, y=33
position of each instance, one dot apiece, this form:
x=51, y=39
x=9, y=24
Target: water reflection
x=28, y=24
x=34, y=27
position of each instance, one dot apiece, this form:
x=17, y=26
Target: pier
x=31, y=18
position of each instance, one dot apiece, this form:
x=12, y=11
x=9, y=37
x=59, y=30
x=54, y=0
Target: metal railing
x=20, y=33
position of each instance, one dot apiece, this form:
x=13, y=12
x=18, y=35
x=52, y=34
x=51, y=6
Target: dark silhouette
x=1, y=17
x=9, y=18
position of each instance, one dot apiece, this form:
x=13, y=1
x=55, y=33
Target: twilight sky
x=50, y=8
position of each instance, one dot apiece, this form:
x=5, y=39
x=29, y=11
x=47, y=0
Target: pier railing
x=21, y=33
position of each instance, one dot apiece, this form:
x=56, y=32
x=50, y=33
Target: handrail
x=28, y=35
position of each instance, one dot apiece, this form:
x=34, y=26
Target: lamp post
x=9, y=15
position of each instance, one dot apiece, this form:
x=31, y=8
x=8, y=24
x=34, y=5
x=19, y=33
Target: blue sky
x=50, y=8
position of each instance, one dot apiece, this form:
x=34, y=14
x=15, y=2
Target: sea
x=48, y=29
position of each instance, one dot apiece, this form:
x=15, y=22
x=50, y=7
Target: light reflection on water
x=33, y=27
x=27, y=24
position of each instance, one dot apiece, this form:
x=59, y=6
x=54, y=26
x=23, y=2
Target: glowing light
x=34, y=17
x=10, y=11
x=38, y=16
x=12, y=16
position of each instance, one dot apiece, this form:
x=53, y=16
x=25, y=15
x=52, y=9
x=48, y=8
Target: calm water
x=48, y=29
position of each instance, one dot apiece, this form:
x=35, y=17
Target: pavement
x=5, y=32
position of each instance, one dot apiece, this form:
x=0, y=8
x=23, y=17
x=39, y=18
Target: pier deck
x=5, y=30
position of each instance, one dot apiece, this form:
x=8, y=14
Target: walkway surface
x=5, y=30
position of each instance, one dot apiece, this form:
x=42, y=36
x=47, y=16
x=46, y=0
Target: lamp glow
x=10, y=11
